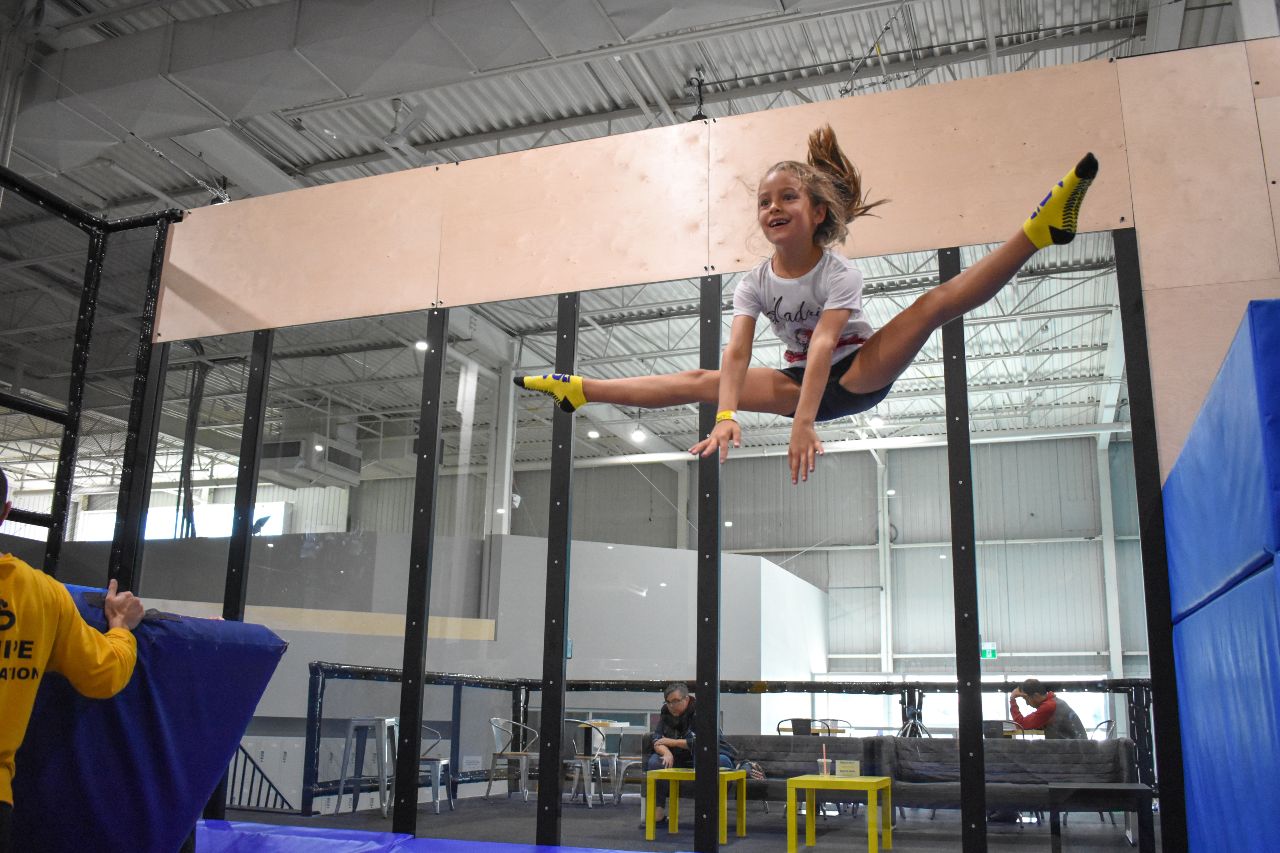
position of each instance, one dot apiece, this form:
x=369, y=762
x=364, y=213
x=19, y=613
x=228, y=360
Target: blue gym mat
x=132, y=773
x=220, y=836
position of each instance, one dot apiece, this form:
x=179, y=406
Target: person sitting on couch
x=1051, y=714
x=673, y=738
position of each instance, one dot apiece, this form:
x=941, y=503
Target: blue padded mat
x=133, y=773
x=1228, y=672
x=219, y=836
x=1222, y=498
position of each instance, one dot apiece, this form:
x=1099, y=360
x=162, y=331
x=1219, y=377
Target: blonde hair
x=831, y=180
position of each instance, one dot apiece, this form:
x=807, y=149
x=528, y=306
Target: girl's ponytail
x=847, y=201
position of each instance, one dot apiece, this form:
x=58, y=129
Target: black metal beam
x=26, y=516
x=34, y=409
x=143, y=430
x=45, y=200
x=706, y=758
x=75, y=399
x=556, y=623
x=1155, y=561
x=144, y=220
x=255, y=409
x=964, y=573
x=418, y=597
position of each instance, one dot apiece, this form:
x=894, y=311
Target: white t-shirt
x=793, y=305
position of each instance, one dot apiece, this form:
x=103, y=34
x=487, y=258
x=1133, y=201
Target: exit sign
x=988, y=651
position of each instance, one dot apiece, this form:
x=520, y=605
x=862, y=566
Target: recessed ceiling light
x=728, y=524
x=942, y=556
x=610, y=547
x=593, y=433
x=421, y=346
x=500, y=510
x=890, y=492
x=663, y=585
x=319, y=448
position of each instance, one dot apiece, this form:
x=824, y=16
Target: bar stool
x=358, y=729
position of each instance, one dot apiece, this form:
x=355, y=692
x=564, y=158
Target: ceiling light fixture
x=877, y=421
x=890, y=492
x=421, y=346
x=593, y=433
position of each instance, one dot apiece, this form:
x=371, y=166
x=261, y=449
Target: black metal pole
x=140, y=440
x=455, y=741
x=75, y=399
x=706, y=758
x=241, y=545
x=311, y=750
x=255, y=410
x=964, y=572
x=556, y=624
x=418, y=599
x=1155, y=561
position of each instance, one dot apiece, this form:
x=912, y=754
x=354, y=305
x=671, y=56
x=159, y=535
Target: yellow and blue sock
x=1054, y=220
x=565, y=387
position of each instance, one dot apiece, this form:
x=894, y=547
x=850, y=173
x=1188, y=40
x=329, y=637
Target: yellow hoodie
x=41, y=630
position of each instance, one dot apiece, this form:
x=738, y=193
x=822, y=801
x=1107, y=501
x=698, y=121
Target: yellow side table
x=812, y=783
x=675, y=776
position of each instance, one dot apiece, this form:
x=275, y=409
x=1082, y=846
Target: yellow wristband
x=726, y=415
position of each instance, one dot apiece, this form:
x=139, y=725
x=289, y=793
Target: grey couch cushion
x=784, y=756
x=926, y=771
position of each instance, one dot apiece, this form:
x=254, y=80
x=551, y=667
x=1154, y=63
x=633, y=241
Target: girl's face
x=785, y=211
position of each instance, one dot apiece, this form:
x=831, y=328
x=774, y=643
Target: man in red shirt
x=1052, y=715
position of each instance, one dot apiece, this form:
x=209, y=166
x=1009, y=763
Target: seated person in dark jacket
x=1051, y=714
x=673, y=739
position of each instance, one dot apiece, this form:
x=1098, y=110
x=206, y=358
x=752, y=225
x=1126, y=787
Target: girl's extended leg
x=763, y=390
x=888, y=352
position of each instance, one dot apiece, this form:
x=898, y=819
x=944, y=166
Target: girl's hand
x=724, y=434
x=805, y=448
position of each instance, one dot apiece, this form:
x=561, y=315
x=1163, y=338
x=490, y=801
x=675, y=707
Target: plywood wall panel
x=1200, y=194
x=1268, y=110
x=352, y=249
x=1188, y=332
x=962, y=162
x=1264, y=67
x=604, y=212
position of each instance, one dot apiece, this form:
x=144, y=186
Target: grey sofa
x=784, y=756
x=926, y=771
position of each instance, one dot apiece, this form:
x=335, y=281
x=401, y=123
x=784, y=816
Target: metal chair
x=834, y=726
x=630, y=755
x=803, y=726
x=582, y=761
x=435, y=765
x=516, y=742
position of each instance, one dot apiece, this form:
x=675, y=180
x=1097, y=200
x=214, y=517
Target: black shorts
x=838, y=401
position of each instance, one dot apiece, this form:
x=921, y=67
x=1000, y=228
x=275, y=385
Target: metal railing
x=249, y=788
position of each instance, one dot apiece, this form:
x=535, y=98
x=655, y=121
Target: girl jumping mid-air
x=837, y=365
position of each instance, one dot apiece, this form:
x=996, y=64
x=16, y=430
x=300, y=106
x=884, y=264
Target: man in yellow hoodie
x=41, y=630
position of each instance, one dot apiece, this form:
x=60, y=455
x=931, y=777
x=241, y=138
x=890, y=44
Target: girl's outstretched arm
x=733, y=371
x=805, y=445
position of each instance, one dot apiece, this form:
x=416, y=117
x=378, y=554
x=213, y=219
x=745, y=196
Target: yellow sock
x=565, y=387
x=1054, y=219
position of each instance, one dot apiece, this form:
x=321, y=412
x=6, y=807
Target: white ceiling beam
x=1109, y=404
